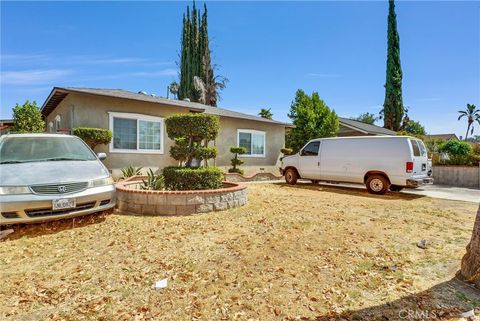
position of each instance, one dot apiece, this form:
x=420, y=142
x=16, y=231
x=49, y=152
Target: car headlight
x=14, y=190
x=101, y=182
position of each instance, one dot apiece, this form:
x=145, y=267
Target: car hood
x=36, y=173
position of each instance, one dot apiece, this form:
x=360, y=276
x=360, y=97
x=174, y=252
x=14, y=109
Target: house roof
x=364, y=127
x=59, y=93
x=440, y=137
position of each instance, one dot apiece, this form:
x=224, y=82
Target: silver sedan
x=51, y=176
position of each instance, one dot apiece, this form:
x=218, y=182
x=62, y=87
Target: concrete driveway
x=447, y=192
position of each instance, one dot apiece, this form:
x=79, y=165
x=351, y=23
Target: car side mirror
x=101, y=156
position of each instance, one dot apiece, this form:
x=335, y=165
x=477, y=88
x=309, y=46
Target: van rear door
x=419, y=157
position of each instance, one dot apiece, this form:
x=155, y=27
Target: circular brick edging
x=144, y=202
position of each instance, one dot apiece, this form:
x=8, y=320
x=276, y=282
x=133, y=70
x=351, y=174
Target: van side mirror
x=101, y=156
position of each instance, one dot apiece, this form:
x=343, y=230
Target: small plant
x=93, y=136
x=130, y=171
x=235, y=161
x=187, y=178
x=153, y=182
x=286, y=151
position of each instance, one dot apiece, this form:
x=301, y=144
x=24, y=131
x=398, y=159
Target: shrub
x=153, y=182
x=287, y=151
x=183, y=178
x=456, y=148
x=457, y=153
x=235, y=161
x=130, y=171
x=93, y=136
x=192, y=133
x=27, y=118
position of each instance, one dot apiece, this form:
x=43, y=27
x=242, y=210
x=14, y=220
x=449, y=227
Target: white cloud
x=35, y=76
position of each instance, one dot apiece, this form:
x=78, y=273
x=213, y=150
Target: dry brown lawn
x=304, y=252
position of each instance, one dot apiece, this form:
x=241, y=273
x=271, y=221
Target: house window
x=253, y=141
x=136, y=133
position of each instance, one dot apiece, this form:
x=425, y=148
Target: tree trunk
x=470, y=269
x=468, y=129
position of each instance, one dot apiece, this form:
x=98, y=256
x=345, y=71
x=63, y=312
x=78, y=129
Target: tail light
x=409, y=167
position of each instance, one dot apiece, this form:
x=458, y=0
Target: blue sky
x=267, y=50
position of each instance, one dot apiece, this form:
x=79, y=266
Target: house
x=139, y=136
x=445, y=137
x=5, y=126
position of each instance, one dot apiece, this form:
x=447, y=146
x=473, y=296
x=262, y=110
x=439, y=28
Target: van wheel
x=291, y=176
x=377, y=184
x=396, y=188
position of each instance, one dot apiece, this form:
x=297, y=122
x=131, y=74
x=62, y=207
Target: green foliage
x=191, y=133
x=366, y=118
x=265, y=113
x=287, y=151
x=404, y=133
x=130, y=171
x=458, y=153
x=236, y=150
x=93, y=136
x=393, y=109
x=28, y=118
x=312, y=119
x=153, y=182
x=473, y=115
x=415, y=128
x=197, y=80
x=181, y=178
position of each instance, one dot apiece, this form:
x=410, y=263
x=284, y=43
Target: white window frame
x=137, y=117
x=257, y=132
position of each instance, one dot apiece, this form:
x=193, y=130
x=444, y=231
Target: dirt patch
x=310, y=252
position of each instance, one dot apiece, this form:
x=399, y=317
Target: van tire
x=396, y=188
x=291, y=176
x=377, y=184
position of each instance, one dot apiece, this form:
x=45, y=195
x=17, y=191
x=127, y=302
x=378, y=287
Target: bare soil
x=293, y=253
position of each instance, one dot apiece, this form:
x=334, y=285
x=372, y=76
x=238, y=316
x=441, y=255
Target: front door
x=309, y=161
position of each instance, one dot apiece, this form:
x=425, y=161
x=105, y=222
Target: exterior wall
x=460, y=176
x=79, y=110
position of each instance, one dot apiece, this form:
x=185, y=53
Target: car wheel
x=396, y=188
x=377, y=184
x=291, y=176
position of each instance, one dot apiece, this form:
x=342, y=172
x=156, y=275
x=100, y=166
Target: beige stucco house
x=139, y=136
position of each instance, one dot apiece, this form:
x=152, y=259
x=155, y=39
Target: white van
x=379, y=162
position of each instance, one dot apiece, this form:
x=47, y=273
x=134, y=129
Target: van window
x=311, y=149
x=416, y=149
x=423, y=149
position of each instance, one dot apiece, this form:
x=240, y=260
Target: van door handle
x=318, y=163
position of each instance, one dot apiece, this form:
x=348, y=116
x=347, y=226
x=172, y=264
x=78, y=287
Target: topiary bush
x=192, y=133
x=93, y=136
x=235, y=161
x=184, y=178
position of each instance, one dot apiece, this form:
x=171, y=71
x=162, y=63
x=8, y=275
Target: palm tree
x=472, y=114
x=265, y=113
x=173, y=89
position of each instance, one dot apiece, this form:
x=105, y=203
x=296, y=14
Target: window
x=253, y=141
x=416, y=150
x=311, y=149
x=136, y=133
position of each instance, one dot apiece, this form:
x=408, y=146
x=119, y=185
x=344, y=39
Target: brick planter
x=132, y=200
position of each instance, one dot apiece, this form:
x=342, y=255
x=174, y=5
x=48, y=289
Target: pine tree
x=197, y=80
x=393, y=110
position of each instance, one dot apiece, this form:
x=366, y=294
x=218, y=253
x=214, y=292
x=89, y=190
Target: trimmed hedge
x=93, y=136
x=197, y=126
x=184, y=178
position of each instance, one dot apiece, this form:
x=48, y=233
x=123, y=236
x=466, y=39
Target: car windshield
x=43, y=149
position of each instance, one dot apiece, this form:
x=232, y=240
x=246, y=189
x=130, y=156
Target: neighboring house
x=5, y=126
x=427, y=138
x=350, y=127
x=139, y=136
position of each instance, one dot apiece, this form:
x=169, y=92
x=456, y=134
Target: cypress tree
x=197, y=79
x=393, y=106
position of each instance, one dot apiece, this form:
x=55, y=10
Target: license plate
x=63, y=203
